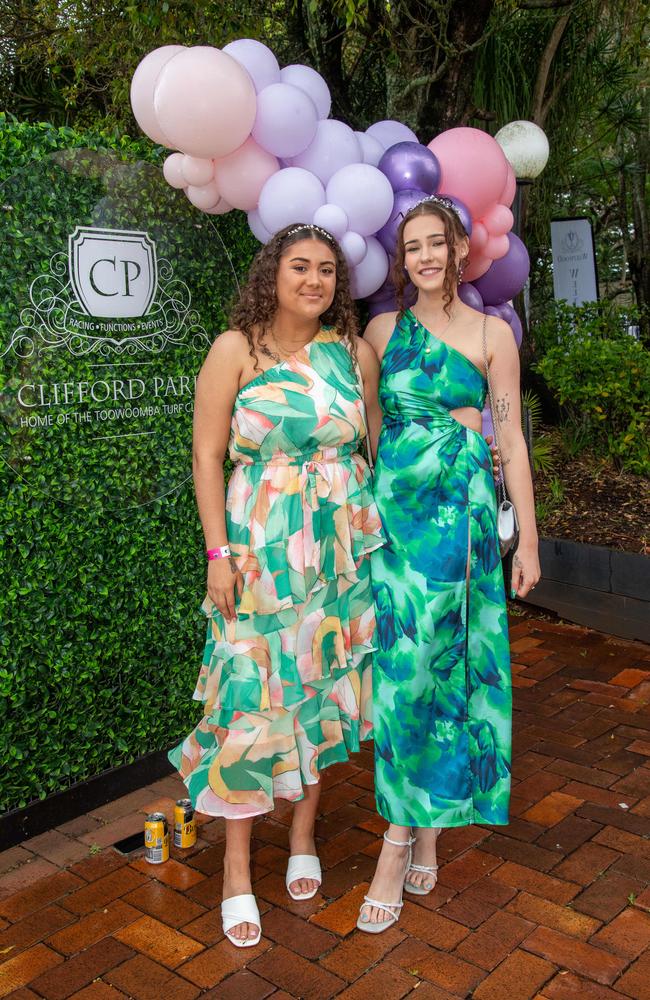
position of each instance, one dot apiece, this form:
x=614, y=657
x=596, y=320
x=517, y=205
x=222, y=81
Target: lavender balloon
x=404, y=201
x=506, y=277
x=411, y=165
x=488, y=425
x=468, y=294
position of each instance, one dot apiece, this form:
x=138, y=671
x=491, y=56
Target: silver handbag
x=507, y=521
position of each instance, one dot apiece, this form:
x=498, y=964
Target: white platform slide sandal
x=241, y=910
x=303, y=866
x=393, y=909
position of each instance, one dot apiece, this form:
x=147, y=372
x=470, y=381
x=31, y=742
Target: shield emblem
x=112, y=271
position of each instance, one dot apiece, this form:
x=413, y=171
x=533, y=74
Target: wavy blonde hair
x=454, y=234
x=258, y=302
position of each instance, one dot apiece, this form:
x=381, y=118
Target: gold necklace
x=284, y=354
x=430, y=333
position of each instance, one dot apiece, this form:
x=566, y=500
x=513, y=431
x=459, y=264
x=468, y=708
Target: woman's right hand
x=224, y=582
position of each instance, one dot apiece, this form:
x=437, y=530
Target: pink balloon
x=497, y=247
x=257, y=59
x=371, y=148
x=473, y=166
x=334, y=146
x=204, y=197
x=205, y=102
x=390, y=132
x=507, y=196
x=364, y=194
x=286, y=120
x=312, y=83
x=354, y=247
x=142, y=88
x=257, y=227
x=220, y=208
x=241, y=176
x=172, y=171
x=333, y=219
x=197, y=171
x=371, y=273
x=478, y=239
x=498, y=221
x=290, y=195
x=477, y=267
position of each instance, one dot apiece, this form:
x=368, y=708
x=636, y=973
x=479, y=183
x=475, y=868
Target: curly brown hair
x=254, y=311
x=454, y=234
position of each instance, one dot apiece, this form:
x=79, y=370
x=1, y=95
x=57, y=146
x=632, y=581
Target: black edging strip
x=44, y=814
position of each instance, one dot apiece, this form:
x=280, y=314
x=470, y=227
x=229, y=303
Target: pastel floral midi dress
x=286, y=688
x=441, y=682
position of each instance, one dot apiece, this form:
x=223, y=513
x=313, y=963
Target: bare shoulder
x=379, y=330
x=499, y=334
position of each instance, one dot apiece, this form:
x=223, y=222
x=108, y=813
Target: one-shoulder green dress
x=441, y=678
x=286, y=687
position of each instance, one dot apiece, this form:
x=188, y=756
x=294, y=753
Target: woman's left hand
x=496, y=462
x=525, y=570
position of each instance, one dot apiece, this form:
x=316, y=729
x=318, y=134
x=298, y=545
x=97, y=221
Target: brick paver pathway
x=555, y=906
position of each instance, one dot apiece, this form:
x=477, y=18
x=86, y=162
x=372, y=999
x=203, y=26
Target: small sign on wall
x=574, y=261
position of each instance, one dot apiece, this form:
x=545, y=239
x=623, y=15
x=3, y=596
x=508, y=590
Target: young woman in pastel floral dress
x=441, y=675
x=286, y=673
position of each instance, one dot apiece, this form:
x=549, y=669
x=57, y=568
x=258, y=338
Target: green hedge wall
x=100, y=633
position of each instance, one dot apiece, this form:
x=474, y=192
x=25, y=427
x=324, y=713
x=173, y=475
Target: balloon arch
x=254, y=137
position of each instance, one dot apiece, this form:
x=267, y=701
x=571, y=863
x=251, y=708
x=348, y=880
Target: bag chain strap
x=501, y=485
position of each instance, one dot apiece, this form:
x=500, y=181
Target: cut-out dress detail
x=441, y=682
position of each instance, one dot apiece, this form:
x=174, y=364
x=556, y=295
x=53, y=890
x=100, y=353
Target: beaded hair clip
x=313, y=228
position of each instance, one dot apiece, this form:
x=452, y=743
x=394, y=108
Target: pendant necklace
x=438, y=336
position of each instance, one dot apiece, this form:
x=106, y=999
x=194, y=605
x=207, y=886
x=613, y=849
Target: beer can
x=184, y=825
x=156, y=838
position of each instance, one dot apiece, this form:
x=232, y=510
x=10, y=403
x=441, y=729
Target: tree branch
x=548, y=55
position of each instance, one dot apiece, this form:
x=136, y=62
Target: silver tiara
x=435, y=199
x=315, y=229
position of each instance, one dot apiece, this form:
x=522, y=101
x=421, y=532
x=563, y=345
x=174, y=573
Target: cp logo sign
x=113, y=271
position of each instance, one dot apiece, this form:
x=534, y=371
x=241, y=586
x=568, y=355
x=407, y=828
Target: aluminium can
x=184, y=824
x=156, y=838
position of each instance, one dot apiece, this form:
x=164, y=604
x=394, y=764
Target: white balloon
x=354, y=248
x=371, y=273
x=371, y=148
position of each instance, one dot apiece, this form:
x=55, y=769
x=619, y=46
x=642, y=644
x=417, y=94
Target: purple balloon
x=468, y=294
x=488, y=426
x=506, y=277
x=463, y=211
x=404, y=201
x=508, y=314
x=493, y=311
x=411, y=165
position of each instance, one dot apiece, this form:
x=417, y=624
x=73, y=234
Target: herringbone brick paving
x=556, y=906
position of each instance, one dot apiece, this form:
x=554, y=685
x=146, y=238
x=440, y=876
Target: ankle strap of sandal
x=399, y=843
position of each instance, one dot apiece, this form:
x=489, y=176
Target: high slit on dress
x=441, y=679
x=286, y=687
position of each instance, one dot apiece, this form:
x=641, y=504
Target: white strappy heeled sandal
x=418, y=890
x=241, y=910
x=303, y=866
x=394, y=909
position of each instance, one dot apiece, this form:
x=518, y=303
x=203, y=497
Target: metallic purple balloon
x=404, y=201
x=468, y=294
x=506, y=277
x=411, y=165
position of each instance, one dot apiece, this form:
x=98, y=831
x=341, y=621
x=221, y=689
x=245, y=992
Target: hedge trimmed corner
x=100, y=632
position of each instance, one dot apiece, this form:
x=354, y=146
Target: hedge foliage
x=100, y=632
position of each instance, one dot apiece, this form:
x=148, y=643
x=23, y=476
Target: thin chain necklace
x=284, y=355
x=430, y=333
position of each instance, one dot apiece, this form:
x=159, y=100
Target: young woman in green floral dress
x=286, y=672
x=441, y=678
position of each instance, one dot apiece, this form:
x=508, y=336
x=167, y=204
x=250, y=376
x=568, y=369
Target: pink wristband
x=219, y=553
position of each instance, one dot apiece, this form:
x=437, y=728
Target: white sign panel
x=574, y=261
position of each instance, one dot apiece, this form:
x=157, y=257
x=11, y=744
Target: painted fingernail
x=428, y=885
x=364, y=917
